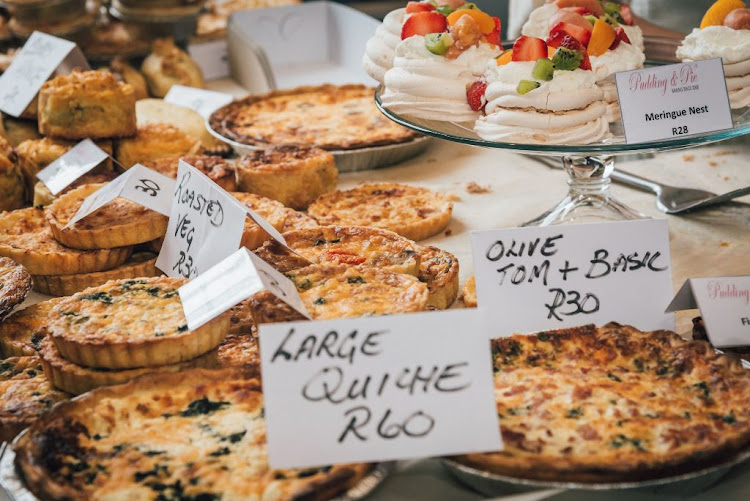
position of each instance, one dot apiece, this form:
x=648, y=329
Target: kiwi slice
x=543, y=69
x=566, y=59
x=611, y=7
x=438, y=43
x=526, y=86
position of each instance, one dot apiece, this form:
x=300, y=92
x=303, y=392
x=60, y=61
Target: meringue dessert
x=381, y=48
x=439, y=56
x=724, y=33
x=540, y=95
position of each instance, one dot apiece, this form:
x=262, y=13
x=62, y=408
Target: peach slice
x=601, y=38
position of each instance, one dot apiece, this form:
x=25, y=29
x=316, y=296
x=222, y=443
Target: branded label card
x=138, y=184
x=212, y=57
x=32, y=66
x=674, y=101
x=533, y=279
x=378, y=388
x=724, y=303
x=205, y=225
x=76, y=162
x=203, y=101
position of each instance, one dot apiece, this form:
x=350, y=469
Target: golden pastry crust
x=168, y=65
x=295, y=220
x=439, y=270
x=25, y=394
x=131, y=323
x=241, y=318
x=614, y=404
x=155, y=141
x=272, y=211
x=12, y=180
x=469, y=294
x=86, y=104
x=327, y=116
x=216, y=168
x=117, y=224
x=26, y=238
x=125, y=73
x=293, y=175
x=15, y=284
x=43, y=197
x=20, y=333
x=140, y=264
x=76, y=379
x=239, y=349
x=415, y=213
x=199, y=432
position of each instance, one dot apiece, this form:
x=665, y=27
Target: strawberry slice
x=627, y=15
x=572, y=43
x=558, y=32
x=529, y=49
x=475, y=95
x=585, y=62
x=414, y=7
x=620, y=36
x=424, y=23
x=494, y=37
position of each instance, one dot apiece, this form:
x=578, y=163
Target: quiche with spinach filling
x=614, y=404
x=197, y=435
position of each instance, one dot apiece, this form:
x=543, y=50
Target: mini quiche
x=198, y=435
x=131, y=323
x=15, y=284
x=155, y=141
x=614, y=404
x=216, y=168
x=25, y=394
x=350, y=245
x=469, y=294
x=439, y=270
x=272, y=211
x=140, y=264
x=76, y=379
x=20, y=333
x=26, y=238
x=295, y=220
x=293, y=175
x=43, y=197
x=412, y=212
x=117, y=224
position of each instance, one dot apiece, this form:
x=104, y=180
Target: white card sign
x=533, y=279
x=724, y=303
x=203, y=101
x=212, y=57
x=40, y=56
x=138, y=184
x=378, y=388
x=231, y=281
x=674, y=101
x=73, y=164
x=205, y=225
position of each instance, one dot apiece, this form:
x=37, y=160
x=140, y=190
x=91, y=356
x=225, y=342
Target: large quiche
x=614, y=404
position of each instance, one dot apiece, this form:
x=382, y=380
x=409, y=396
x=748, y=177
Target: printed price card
x=533, y=279
x=378, y=388
x=40, y=56
x=76, y=162
x=200, y=100
x=674, y=101
x=233, y=280
x=724, y=303
x=205, y=225
x=138, y=184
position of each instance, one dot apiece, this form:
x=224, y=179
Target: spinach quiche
x=197, y=434
x=19, y=333
x=614, y=404
x=15, y=284
x=126, y=324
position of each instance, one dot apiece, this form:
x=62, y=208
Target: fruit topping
x=466, y=32
x=445, y=7
x=529, y=49
x=526, y=86
x=620, y=36
x=592, y=6
x=438, y=43
x=544, y=69
x=611, y=7
x=414, y=7
x=626, y=15
x=738, y=19
x=591, y=19
x=566, y=59
x=560, y=30
x=494, y=37
x=565, y=16
x=579, y=10
x=505, y=57
x=423, y=23
x=716, y=14
x=601, y=38
x=475, y=95
x=484, y=20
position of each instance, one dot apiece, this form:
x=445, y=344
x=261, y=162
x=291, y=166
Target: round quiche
x=15, y=284
x=131, y=323
x=119, y=223
x=413, y=212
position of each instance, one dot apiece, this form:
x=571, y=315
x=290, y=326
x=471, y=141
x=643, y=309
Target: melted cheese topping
x=25, y=393
x=18, y=333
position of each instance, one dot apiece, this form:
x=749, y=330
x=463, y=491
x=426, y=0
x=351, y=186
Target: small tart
x=25, y=394
x=155, y=141
x=26, y=238
x=132, y=323
x=412, y=212
x=19, y=333
x=239, y=349
x=469, y=294
x=15, y=284
x=44, y=197
x=295, y=220
x=439, y=270
x=351, y=246
x=272, y=211
x=76, y=379
x=216, y=168
x=293, y=175
x=140, y=264
x=119, y=223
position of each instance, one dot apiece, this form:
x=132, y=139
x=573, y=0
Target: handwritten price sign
x=533, y=279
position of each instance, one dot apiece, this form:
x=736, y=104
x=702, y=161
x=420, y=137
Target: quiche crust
x=131, y=323
x=117, y=224
x=272, y=211
x=612, y=404
x=296, y=220
x=413, y=212
x=239, y=349
x=439, y=270
x=15, y=284
x=469, y=292
x=19, y=333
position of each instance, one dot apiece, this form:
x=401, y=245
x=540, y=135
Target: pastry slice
x=469, y=293
x=19, y=333
x=439, y=270
x=295, y=220
x=15, y=284
x=239, y=349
